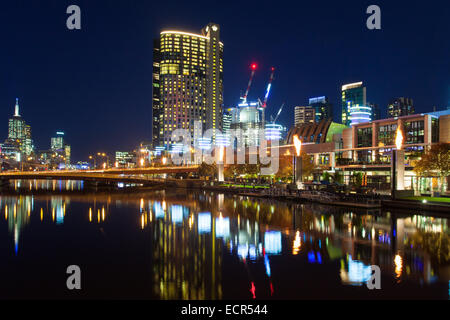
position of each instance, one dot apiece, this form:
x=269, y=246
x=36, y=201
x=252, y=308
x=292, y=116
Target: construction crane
x=269, y=86
x=253, y=67
x=263, y=105
x=272, y=119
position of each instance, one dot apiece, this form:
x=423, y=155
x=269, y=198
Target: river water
x=185, y=244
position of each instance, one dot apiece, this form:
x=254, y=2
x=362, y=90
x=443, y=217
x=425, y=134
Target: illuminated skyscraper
x=57, y=143
x=304, y=115
x=187, y=83
x=354, y=105
x=322, y=108
x=376, y=112
x=399, y=107
x=19, y=133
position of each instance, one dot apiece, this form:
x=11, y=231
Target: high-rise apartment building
x=57, y=143
x=354, y=104
x=19, y=133
x=399, y=107
x=187, y=83
x=322, y=108
x=303, y=115
x=376, y=112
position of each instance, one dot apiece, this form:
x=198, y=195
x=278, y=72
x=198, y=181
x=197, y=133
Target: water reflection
x=212, y=246
x=45, y=185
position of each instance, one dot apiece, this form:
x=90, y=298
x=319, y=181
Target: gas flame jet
x=297, y=145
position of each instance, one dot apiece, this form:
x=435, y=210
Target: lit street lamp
x=95, y=162
x=102, y=154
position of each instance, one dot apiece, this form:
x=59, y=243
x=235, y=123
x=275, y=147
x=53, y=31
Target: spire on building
x=16, y=111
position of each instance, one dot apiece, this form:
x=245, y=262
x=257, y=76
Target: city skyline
x=93, y=97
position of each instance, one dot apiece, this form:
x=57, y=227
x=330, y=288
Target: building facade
x=304, y=115
x=399, y=107
x=19, y=134
x=125, y=159
x=57, y=142
x=354, y=104
x=366, y=148
x=322, y=108
x=187, y=83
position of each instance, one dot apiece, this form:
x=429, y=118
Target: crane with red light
x=253, y=67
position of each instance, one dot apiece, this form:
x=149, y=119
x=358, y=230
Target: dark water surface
x=179, y=244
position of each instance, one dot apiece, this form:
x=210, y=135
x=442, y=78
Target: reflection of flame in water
x=297, y=243
x=398, y=266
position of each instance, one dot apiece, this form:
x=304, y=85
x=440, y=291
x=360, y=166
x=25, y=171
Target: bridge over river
x=138, y=175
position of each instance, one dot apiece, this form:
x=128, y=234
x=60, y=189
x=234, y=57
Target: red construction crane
x=253, y=67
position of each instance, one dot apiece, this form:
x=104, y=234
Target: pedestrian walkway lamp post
x=95, y=162
x=398, y=165
x=220, y=165
x=298, y=161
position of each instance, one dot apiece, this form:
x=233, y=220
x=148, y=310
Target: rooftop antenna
x=16, y=109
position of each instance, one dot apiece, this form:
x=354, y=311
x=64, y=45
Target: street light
x=95, y=162
x=102, y=154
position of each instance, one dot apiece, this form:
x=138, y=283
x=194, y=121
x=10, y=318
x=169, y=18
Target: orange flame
x=221, y=153
x=297, y=145
x=399, y=139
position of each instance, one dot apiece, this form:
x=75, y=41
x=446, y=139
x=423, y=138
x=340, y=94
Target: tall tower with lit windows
x=187, y=83
x=19, y=133
x=354, y=105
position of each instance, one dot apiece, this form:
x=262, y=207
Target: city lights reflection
x=191, y=240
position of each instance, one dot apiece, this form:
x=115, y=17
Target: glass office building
x=354, y=105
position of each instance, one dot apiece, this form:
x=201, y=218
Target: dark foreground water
x=182, y=244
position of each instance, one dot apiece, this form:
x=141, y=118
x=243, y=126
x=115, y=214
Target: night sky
x=95, y=83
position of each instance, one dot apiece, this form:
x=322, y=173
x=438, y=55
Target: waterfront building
x=304, y=115
x=399, y=107
x=125, y=159
x=366, y=148
x=187, y=83
x=322, y=108
x=354, y=105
